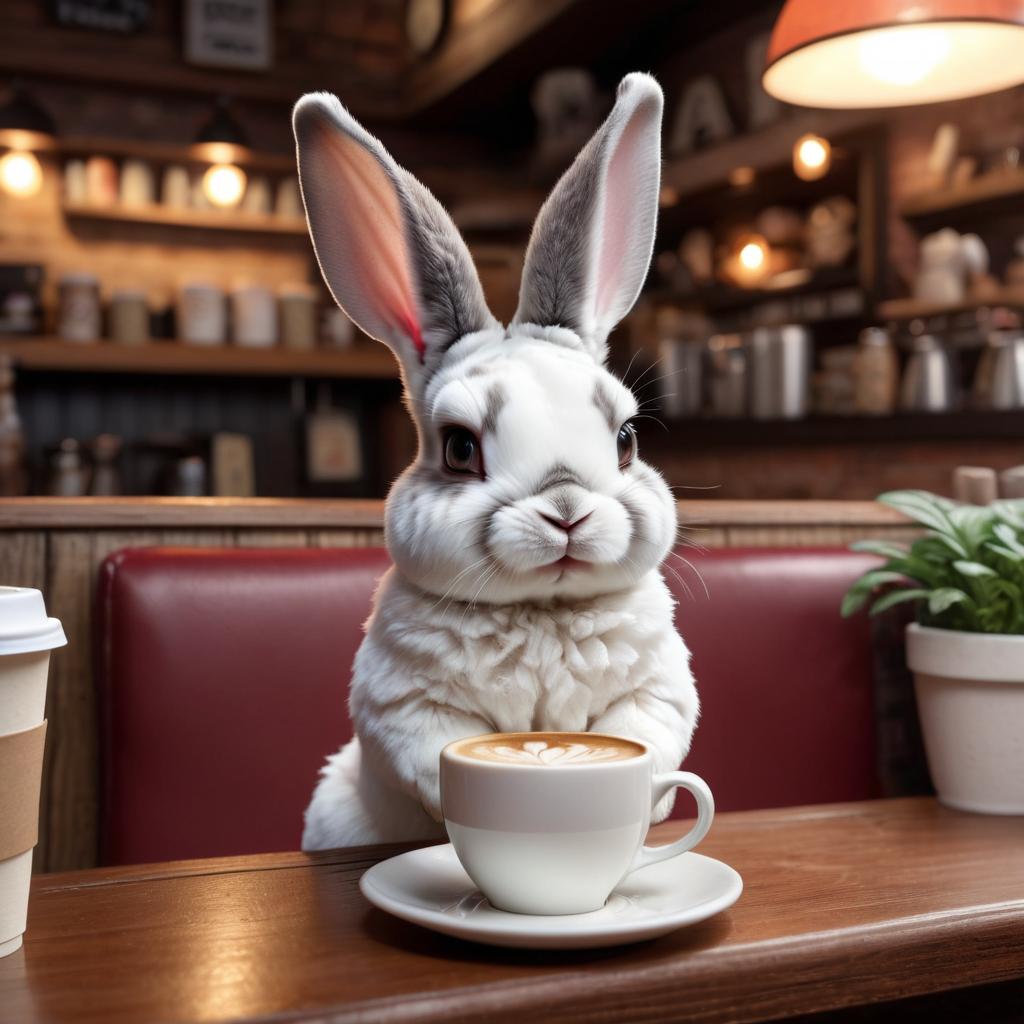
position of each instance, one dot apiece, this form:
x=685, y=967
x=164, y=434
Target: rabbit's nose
x=565, y=524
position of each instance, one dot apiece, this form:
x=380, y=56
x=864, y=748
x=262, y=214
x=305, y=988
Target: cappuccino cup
x=552, y=822
x=27, y=635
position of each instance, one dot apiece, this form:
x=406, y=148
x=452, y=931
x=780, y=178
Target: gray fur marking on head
x=497, y=399
x=566, y=504
x=559, y=474
x=606, y=406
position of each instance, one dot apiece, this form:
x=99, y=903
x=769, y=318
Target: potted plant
x=966, y=650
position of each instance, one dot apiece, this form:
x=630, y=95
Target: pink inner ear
x=367, y=246
x=618, y=214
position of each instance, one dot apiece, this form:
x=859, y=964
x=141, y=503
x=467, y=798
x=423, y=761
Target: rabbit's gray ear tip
x=639, y=85
x=318, y=106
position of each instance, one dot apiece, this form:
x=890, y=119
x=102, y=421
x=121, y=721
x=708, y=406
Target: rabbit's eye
x=626, y=442
x=462, y=452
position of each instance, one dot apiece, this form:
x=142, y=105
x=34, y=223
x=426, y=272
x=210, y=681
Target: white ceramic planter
x=970, y=698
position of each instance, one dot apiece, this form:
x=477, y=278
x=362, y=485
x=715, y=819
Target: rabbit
x=527, y=535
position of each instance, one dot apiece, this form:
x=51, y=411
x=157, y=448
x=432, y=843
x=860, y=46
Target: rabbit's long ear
x=390, y=254
x=592, y=241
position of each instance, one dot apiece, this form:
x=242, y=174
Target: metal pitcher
x=780, y=372
x=999, y=380
x=928, y=378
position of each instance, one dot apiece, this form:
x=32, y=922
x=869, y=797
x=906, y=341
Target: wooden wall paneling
x=905, y=534
x=783, y=536
x=271, y=539
x=698, y=536
x=346, y=538
x=199, y=538
x=23, y=559
x=67, y=822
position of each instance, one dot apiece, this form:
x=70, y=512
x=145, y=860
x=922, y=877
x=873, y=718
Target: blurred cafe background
x=833, y=308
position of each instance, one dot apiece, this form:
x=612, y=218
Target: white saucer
x=429, y=887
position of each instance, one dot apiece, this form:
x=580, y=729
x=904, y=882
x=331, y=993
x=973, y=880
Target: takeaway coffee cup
x=27, y=636
x=550, y=823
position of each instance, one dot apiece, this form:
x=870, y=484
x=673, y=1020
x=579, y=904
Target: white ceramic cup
x=254, y=316
x=558, y=837
x=27, y=636
x=202, y=314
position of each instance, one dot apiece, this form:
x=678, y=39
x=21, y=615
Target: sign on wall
x=229, y=33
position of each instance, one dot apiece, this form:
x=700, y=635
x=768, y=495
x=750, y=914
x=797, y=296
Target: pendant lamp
x=890, y=53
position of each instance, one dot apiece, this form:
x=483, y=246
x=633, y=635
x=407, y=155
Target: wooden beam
x=481, y=32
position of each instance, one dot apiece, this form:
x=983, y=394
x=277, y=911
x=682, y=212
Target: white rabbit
x=527, y=535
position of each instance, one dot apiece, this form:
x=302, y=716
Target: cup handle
x=660, y=785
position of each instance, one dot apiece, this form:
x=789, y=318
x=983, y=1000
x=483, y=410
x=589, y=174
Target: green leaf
x=949, y=542
x=895, y=597
x=1008, y=536
x=944, y=598
x=922, y=507
x=973, y=569
x=1009, y=553
x=972, y=524
x=1010, y=512
x=858, y=594
x=885, y=548
x=877, y=577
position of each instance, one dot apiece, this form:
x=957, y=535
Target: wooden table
x=845, y=904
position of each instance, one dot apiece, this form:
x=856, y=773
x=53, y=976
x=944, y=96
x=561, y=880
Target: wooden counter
x=879, y=906
x=57, y=545
x=297, y=513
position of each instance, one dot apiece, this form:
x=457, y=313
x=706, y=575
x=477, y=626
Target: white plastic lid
x=24, y=625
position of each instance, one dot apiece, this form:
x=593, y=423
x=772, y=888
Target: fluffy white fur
x=430, y=673
x=525, y=596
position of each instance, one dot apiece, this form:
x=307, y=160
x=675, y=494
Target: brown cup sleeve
x=21, y=772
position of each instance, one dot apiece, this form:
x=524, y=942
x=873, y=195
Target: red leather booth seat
x=224, y=677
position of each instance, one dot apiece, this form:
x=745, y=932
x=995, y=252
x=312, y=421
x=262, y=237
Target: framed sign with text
x=229, y=33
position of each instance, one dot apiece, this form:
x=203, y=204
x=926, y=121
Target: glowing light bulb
x=905, y=56
x=812, y=157
x=224, y=184
x=20, y=174
x=752, y=255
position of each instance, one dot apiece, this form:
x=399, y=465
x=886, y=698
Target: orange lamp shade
x=890, y=53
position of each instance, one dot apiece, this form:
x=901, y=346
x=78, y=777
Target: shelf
x=226, y=220
x=707, y=432
x=163, y=152
x=914, y=309
x=989, y=189
x=723, y=298
x=762, y=149
x=363, y=361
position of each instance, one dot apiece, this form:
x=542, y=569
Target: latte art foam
x=539, y=752
x=550, y=751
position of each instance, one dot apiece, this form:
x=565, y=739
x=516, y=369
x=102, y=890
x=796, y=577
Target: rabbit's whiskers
x=455, y=582
x=692, y=568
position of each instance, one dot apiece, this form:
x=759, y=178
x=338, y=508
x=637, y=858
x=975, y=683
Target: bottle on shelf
x=876, y=373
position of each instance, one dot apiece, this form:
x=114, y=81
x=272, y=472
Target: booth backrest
x=224, y=679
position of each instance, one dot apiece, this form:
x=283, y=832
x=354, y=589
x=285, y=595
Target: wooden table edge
x=815, y=965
